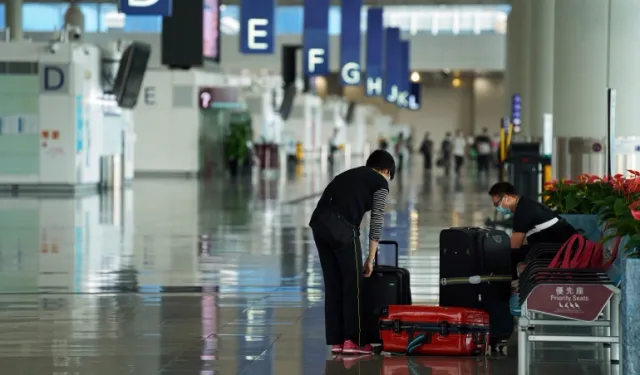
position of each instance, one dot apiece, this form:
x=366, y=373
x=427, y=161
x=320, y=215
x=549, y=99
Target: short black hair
x=381, y=160
x=503, y=188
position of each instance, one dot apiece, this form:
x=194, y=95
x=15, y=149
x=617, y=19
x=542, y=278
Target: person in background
x=459, y=151
x=382, y=142
x=400, y=150
x=482, y=145
x=333, y=145
x=445, y=149
x=495, y=148
x=335, y=225
x=426, y=149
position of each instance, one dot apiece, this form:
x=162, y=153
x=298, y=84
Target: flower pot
x=585, y=224
x=629, y=313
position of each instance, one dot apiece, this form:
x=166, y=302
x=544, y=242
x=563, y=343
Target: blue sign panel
x=403, y=76
x=316, y=37
x=350, y=43
x=375, y=49
x=392, y=64
x=147, y=7
x=516, y=109
x=257, y=26
x=415, y=96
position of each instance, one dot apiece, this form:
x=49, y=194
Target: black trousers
x=483, y=163
x=459, y=161
x=343, y=278
x=427, y=161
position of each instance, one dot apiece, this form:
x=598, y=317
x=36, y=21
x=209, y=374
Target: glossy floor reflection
x=180, y=277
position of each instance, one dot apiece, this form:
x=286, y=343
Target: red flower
x=634, y=173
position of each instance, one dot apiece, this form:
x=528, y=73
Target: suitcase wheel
x=499, y=348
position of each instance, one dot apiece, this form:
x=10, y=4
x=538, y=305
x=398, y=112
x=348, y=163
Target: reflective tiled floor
x=181, y=277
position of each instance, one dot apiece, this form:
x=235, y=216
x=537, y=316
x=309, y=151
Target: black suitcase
x=388, y=285
x=475, y=272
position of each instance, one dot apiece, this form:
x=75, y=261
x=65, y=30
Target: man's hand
x=368, y=269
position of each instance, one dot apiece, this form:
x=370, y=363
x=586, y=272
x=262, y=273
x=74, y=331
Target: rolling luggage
x=388, y=285
x=475, y=272
x=434, y=330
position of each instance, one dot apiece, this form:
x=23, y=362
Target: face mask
x=503, y=210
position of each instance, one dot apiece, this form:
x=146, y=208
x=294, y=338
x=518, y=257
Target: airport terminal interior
x=220, y=278
x=160, y=161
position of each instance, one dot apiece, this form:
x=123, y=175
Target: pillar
x=513, y=63
x=624, y=60
x=518, y=57
x=595, y=48
x=541, y=78
x=13, y=18
x=580, y=67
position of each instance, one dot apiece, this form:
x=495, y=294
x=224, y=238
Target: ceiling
x=336, y=2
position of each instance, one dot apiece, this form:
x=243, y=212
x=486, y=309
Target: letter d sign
x=147, y=7
x=55, y=79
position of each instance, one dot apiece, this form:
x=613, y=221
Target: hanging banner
x=350, y=43
x=375, y=48
x=415, y=96
x=316, y=37
x=257, y=26
x=403, y=77
x=392, y=64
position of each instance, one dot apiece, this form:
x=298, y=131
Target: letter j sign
x=147, y=7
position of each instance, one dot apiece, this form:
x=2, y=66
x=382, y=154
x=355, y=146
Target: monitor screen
x=211, y=29
x=133, y=65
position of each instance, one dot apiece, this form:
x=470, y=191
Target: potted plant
x=236, y=140
x=579, y=202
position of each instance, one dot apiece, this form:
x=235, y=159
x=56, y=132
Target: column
x=541, y=78
x=624, y=60
x=525, y=69
x=13, y=18
x=580, y=67
x=606, y=56
x=517, y=64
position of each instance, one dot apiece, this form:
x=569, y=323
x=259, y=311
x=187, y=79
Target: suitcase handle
x=388, y=242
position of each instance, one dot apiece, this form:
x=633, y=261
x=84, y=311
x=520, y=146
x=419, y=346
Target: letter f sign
x=315, y=57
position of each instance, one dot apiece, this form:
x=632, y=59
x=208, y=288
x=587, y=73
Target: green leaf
x=620, y=207
x=634, y=242
x=571, y=203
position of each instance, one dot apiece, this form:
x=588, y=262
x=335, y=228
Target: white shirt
x=459, y=146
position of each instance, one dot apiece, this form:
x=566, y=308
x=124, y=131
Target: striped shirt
x=376, y=222
x=355, y=192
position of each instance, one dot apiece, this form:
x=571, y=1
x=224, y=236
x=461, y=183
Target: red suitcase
x=434, y=330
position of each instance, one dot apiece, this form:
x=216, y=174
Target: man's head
x=382, y=162
x=459, y=133
x=485, y=131
x=504, y=197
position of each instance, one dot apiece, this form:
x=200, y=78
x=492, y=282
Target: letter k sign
x=147, y=7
